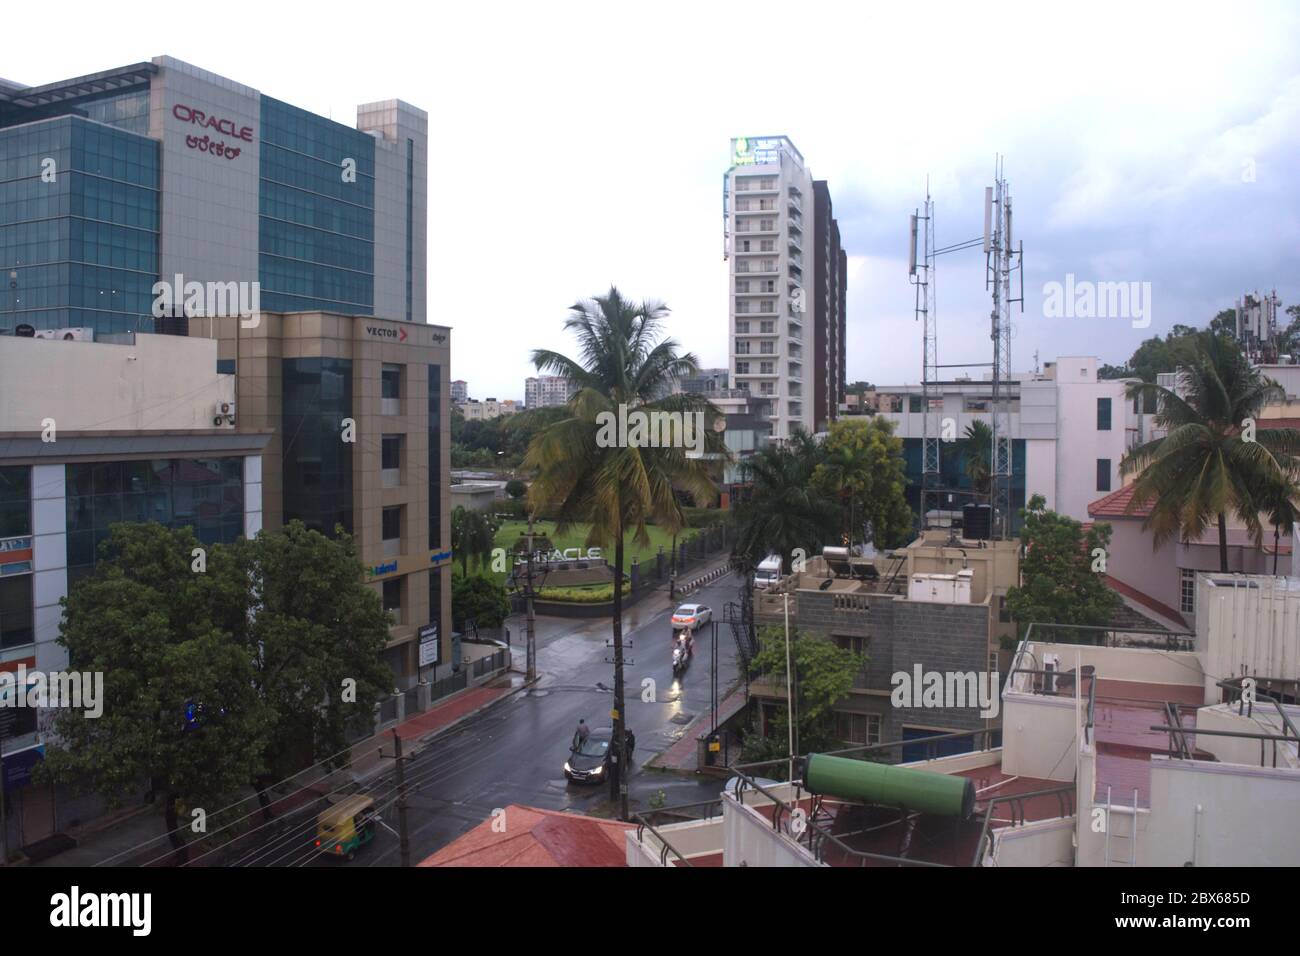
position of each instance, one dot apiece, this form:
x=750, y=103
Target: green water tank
x=921, y=790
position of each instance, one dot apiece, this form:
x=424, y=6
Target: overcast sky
x=580, y=145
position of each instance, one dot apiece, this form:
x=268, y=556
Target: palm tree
x=615, y=487
x=977, y=453
x=1277, y=500
x=785, y=508
x=1210, y=461
x=473, y=536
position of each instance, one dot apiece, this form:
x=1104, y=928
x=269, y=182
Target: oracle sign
x=188, y=114
x=210, y=144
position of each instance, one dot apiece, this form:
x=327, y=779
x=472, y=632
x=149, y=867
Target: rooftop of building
x=526, y=836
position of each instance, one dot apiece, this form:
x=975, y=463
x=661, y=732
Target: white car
x=694, y=616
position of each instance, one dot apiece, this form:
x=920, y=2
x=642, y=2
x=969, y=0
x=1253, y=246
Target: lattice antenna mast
x=921, y=262
x=1002, y=258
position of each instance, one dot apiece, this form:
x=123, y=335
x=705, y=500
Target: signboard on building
x=755, y=152
x=16, y=768
x=430, y=646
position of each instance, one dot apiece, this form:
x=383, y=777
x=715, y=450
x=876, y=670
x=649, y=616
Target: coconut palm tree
x=1211, y=460
x=785, y=509
x=1277, y=502
x=619, y=486
x=977, y=453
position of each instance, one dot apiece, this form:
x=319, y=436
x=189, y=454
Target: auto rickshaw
x=346, y=826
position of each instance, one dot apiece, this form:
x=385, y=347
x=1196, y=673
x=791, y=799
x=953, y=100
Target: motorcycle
x=683, y=649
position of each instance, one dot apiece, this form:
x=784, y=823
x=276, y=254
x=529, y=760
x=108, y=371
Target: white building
x=460, y=390
x=476, y=411
x=1075, y=427
x=542, y=391
x=775, y=352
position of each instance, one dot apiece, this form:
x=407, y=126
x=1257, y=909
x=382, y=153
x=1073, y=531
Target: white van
x=768, y=571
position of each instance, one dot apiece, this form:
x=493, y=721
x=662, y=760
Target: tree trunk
x=616, y=790
x=1277, y=535
x=172, y=819
x=1223, y=543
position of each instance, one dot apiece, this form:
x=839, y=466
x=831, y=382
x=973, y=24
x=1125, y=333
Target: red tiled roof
x=1115, y=505
x=526, y=836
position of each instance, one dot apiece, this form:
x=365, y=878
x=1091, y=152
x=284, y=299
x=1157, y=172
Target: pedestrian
x=631, y=744
x=580, y=735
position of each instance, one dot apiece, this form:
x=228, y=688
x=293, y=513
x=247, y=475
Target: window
x=766, y=305
x=742, y=328
x=742, y=347
x=766, y=388
x=1103, y=414
x=16, y=610
x=1187, y=590
x=857, y=728
x=767, y=245
x=742, y=285
x=742, y=368
x=391, y=381
x=393, y=523
x=744, y=245
x=767, y=327
x=765, y=225
x=1103, y=474
x=766, y=368
x=742, y=306
x=393, y=597
x=767, y=348
x=391, y=452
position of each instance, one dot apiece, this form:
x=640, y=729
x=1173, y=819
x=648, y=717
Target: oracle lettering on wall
x=208, y=144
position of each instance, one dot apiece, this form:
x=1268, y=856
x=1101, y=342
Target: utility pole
x=789, y=692
x=404, y=842
x=528, y=597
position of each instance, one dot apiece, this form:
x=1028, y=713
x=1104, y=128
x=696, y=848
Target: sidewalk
x=684, y=754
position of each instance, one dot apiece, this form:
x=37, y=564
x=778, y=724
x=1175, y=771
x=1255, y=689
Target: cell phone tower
x=1002, y=258
x=921, y=275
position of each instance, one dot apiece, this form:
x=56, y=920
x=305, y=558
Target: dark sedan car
x=589, y=759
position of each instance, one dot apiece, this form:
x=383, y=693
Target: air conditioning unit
x=79, y=334
x=224, y=414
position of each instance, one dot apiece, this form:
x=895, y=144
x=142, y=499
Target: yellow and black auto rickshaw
x=346, y=826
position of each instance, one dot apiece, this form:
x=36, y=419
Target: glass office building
x=112, y=182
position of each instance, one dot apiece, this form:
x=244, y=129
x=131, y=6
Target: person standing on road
x=581, y=733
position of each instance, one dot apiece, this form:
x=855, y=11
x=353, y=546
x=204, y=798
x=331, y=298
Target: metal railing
x=1016, y=801
x=665, y=847
x=1179, y=747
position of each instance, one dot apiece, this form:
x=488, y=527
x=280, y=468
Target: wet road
x=515, y=752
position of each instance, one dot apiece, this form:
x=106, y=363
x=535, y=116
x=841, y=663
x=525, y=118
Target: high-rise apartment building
x=460, y=390
x=786, y=283
x=543, y=390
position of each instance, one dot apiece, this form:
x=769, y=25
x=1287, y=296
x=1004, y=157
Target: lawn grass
x=576, y=537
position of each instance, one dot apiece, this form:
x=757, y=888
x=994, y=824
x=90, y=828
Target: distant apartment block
x=488, y=409
x=544, y=390
x=459, y=391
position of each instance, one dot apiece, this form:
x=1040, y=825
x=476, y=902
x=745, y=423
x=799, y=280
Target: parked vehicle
x=589, y=757
x=346, y=827
x=768, y=571
x=694, y=616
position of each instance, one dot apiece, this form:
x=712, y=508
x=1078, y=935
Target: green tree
x=625, y=367
x=1276, y=500
x=1060, y=571
x=478, y=599
x=862, y=464
x=785, y=509
x=516, y=488
x=315, y=632
x=823, y=676
x=473, y=537
x=1211, y=460
x=218, y=675
x=180, y=703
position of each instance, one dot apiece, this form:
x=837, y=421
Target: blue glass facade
x=316, y=230
x=81, y=234
x=317, y=462
x=205, y=494
x=953, y=475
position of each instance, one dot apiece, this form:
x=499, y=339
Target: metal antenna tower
x=1001, y=259
x=931, y=428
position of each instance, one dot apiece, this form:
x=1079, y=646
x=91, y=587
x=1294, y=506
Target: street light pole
x=789, y=695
